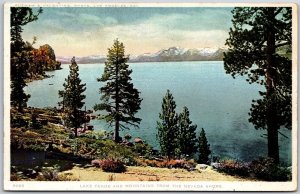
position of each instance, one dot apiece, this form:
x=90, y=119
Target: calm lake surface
x=217, y=102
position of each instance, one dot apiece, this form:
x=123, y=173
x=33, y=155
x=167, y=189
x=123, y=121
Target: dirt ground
x=149, y=174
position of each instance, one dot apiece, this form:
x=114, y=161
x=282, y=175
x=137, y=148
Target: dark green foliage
x=20, y=54
x=187, y=135
x=168, y=126
x=203, y=147
x=35, y=124
x=102, y=149
x=263, y=168
x=73, y=98
x=257, y=35
x=18, y=121
x=18, y=97
x=176, y=134
x=143, y=149
x=109, y=165
x=119, y=98
x=267, y=169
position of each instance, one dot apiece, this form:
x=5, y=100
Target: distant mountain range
x=164, y=55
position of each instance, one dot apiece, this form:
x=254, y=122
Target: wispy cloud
x=84, y=32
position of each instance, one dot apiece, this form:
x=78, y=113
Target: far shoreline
x=134, y=62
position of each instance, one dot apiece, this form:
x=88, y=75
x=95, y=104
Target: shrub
x=95, y=134
x=109, y=165
x=143, y=150
x=15, y=177
x=115, y=151
x=234, y=167
x=48, y=176
x=52, y=175
x=267, y=169
x=166, y=163
x=19, y=121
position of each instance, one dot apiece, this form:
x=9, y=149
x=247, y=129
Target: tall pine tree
x=20, y=54
x=187, y=135
x=203, y=147
x=73, y=98
x=257, y=35
x=168, y=126
x=119, y=98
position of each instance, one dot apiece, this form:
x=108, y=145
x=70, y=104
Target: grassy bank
x=94, y=156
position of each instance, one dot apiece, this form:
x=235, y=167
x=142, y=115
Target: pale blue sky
x=85, y=31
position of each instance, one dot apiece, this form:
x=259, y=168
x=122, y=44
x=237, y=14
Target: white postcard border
x=148, y=185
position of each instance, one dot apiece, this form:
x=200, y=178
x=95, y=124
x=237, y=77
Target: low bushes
x=233, y=167
x=266, y=169
x=103, y=149
x=166, y=163
x=143, y=149
x=110, y=165
x=54, y=176
x=263, y=168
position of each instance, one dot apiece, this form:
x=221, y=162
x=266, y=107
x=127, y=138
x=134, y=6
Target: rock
x=19, y=173
x=138, y=140
x=189, y=167
x=78, y=165
x=215, y=165
x=88, y=166
x=159, y=159
x=200, y=167
x=96, y=163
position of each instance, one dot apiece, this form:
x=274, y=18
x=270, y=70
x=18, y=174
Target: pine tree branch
x=283, y=134
x=278, y=11
x=282, y=44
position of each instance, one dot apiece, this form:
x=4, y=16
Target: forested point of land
x=44, y=59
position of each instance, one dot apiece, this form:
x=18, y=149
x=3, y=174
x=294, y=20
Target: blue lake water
x=217, y=102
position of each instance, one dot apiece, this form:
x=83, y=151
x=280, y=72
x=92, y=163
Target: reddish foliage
x=109, y=165
x=166, y=163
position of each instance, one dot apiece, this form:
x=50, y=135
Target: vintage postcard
x=150, y=97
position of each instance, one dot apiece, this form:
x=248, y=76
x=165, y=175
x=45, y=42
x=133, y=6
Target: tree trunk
x=117, y=119
x=116, y=134
x=20, y=107
x=273, y=147
x=272, y=127
x=76, y=124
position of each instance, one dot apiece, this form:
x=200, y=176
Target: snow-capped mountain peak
x=174, y=53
